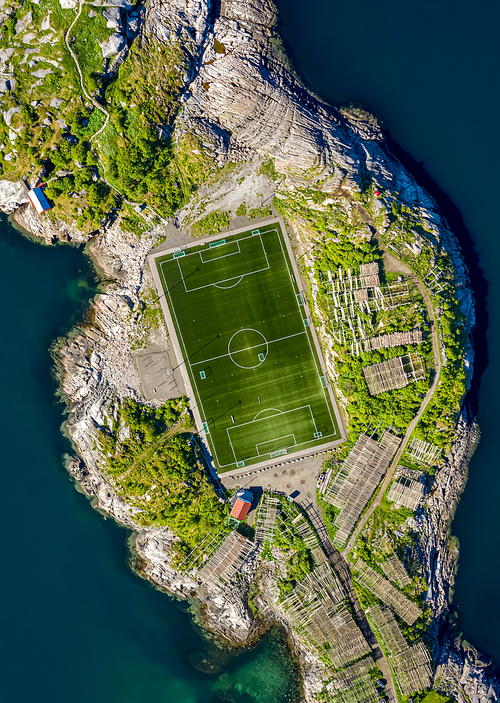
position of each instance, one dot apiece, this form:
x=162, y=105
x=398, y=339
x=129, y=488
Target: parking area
x=297, y=477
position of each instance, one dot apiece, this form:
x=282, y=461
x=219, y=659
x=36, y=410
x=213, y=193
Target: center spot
x=245, y=347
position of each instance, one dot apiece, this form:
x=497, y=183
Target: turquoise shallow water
x=430, y=70
x=76, y=624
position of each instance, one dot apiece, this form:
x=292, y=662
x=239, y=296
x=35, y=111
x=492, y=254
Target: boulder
x=113, y=18
x=56, y=102
x=114, y=3
x=9, y=114
x=4, y=85
x=45, y=23
x=115, y=44
x=68, y=4
x=28, y=38
x=42, y=72
x=24, y=22
x=12, y=195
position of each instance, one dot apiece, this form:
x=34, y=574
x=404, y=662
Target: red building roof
x=240, y=509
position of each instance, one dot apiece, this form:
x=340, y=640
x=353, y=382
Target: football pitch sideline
x=246, y=346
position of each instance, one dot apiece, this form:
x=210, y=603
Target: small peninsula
x=270, y=390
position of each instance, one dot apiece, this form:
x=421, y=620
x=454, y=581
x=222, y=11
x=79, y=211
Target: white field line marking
x=312, y=442
x=216, y=285
x=232, y=449
x=276, y=412
x=225, y=280
x=224, y=256
x=277, y=439
x=285, y=412
x=273, y=341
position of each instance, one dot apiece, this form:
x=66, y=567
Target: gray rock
x=45, y=23
x=92, y=14
x=24, y=22
x=35, y=103
x=5, y=54
x=114, y=3
x=4, y=85
x=133, y=26
x=113, y=18
x=47, y=121
x=114, y=45
x=63, y=125
x=68, y=4
x=28, y=38
x=42, y=72
x=12, y=195
x=56, y=102
x=8, y=114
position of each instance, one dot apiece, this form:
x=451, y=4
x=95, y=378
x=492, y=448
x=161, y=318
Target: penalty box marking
x=263, y=419
x=225, y=280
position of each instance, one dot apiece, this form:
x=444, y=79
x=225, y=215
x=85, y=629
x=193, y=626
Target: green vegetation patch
x=211, y=224
x=239, y=318
x=153, y=464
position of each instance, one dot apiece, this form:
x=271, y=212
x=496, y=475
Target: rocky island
x=154, y=126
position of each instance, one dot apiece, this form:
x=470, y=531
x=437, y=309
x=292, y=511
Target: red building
x=242, y=504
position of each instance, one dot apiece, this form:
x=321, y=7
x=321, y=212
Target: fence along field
x=248, y=347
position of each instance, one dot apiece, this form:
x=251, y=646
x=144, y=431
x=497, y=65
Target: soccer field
x=240, y=324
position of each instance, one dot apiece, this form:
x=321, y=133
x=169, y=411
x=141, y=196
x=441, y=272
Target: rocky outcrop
x=12, y=195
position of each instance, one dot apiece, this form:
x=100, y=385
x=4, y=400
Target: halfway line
x=206, y=361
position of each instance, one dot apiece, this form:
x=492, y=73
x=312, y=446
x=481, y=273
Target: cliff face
x=242, y=101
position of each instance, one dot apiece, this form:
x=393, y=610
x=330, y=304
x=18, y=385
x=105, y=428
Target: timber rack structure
x=394, y=373
x=266, y=519
x=354, y=684
x=318, y=612
x=221, y=568
x=395, y=571
x=352, y=300
x=407, y=488
x=406, y=609
x=360, y=474
x=411, y=664
x=423, y=452
x=395, y=339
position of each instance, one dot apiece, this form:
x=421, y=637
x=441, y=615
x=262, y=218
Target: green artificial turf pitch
x=248, y=348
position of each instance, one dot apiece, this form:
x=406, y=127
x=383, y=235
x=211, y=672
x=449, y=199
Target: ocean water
x=76, y=624
x=430, y=70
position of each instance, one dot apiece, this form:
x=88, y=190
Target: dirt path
x=393, y=264
x=80, y=75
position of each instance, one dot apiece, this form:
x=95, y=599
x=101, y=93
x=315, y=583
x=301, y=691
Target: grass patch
x=211, y=224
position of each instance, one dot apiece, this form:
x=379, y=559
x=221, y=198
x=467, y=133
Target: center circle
x=248, y=348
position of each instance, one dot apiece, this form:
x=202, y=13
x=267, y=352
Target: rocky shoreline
x=243, y=104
